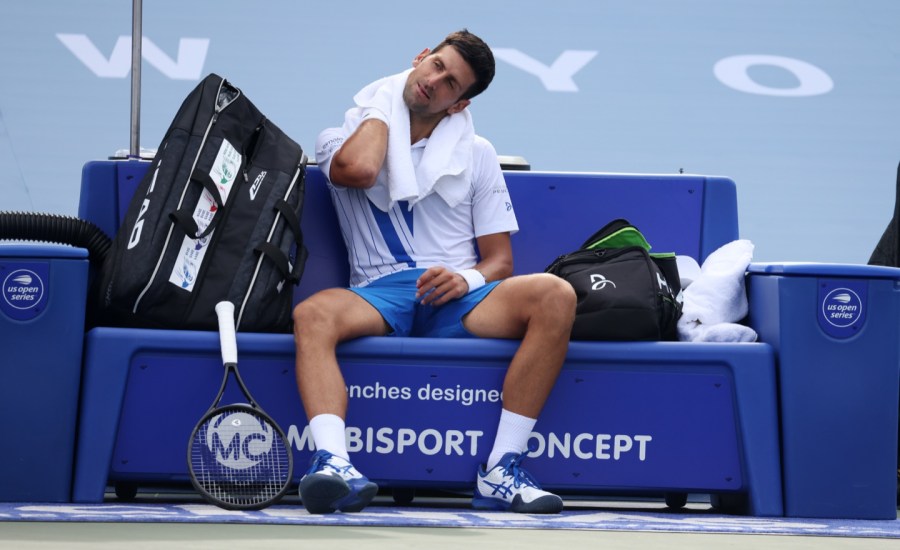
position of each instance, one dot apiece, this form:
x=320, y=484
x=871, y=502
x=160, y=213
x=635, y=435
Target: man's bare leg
x=539, y=309
x=320, y=323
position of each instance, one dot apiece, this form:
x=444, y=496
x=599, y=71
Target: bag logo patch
x=661, y=282
x=599, y=282
x=257, y=183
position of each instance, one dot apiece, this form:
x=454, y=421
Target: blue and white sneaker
x=508, y=487
x=332, y=483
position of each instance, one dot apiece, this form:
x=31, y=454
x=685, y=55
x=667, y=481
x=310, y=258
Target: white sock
x=512, y=436
x=328, y=434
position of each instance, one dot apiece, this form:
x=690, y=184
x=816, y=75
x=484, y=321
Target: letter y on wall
x=558, y=76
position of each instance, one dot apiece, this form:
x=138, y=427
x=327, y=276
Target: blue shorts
x=394, y=296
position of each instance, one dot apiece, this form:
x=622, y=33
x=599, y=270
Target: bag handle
x=184, y=218
x=280, y=259
x=277, y=256
x=290, y=217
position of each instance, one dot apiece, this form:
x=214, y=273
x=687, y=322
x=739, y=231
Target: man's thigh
x=341, y=312
x=504, y=313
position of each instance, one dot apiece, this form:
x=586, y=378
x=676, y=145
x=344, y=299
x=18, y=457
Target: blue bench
x=626, y=417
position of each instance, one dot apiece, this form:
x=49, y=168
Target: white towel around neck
x=446, y=162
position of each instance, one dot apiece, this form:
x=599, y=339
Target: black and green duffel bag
x=624, y=292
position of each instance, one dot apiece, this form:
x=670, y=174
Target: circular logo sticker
x=842, y=307
x=23, y=289
x=238, y=440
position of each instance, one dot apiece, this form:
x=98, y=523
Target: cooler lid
x=41, y=250
x=811, y=269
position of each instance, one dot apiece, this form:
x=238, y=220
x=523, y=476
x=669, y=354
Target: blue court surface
x=176, y=522
x=605, y=516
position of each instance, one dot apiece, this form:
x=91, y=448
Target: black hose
x=29, y=226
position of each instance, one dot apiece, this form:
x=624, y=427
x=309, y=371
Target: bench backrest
x=686, y=214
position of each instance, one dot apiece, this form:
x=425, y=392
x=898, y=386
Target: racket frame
x=228, y=341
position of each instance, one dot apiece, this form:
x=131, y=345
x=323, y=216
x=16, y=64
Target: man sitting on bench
x=426, y=217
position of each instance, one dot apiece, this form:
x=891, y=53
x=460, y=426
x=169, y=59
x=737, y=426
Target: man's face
x=437, y=82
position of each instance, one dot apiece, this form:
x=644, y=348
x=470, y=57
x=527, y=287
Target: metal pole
x=136, y=34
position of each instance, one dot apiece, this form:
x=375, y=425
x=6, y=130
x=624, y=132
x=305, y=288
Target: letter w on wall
x=188, y=64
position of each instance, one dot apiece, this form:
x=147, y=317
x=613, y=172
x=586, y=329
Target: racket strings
x=240, y=459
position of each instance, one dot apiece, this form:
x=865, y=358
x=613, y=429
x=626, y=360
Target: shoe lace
x=323, y=460
x=320, y=460
x=519, y=475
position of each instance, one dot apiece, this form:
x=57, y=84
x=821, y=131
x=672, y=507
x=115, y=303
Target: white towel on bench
x=716, y=300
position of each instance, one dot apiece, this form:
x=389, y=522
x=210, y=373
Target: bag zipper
x=583, y=256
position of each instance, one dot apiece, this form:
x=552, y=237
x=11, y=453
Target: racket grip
x=225, y=314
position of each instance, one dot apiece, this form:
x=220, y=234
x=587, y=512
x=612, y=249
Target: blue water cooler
x=836, y=330
x=42, y=312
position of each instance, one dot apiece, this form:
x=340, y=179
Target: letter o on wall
x=732, y=71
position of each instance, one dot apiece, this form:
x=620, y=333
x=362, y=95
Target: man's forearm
x=359, y=160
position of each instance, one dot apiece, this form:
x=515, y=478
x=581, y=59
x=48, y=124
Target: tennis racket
x=238, y=457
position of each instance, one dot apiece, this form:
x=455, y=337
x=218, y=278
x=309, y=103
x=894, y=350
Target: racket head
x=239, y=458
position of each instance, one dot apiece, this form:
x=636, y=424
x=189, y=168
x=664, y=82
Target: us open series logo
x=842, y=307
x=24, y=292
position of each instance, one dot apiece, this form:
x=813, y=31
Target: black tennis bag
x=623, y=291
x=217, y=217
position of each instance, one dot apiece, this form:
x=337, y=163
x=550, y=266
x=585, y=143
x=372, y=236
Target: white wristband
x=376, y=113
x=473, y=278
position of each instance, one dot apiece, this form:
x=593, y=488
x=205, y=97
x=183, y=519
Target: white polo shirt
x=380, y=243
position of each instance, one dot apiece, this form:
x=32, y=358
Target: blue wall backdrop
x=796, y=100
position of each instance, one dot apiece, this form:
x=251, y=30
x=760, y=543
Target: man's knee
x=335, y=315
x=558, y=296
x=543, y=296
x=315, y=314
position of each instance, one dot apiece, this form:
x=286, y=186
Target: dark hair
x=477, y=54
